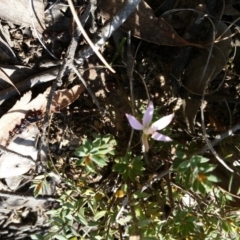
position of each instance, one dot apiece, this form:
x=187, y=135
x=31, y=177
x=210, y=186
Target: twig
x=92, y=12
x=53, y=4
x=133, y=213
x=124, y=204
x=88, y=89
x=156, y=178
x=209, y=55
x=67, y=63
x=208, y=142
x=36, y=32
x=130, y=66
x=220, y=137
x=201, y=108
x=86, y=36
x=27, y=197
x=72, y=50
x=108, y=29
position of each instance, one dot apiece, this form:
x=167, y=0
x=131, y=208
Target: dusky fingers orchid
x=148, y=128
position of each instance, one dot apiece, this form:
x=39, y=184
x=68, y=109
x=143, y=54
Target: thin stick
x=130, y=65
x=36, y=32
x=109, y=28
x=220, y=137
x=209, y=143
x=202, y=104
x=88, y=89
x=87, y=38
x=67, y=64
x=28, y=197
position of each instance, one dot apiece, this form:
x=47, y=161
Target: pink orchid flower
x=150, y=129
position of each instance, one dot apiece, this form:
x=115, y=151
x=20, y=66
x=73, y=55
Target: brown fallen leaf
x=18, y=112
x=144, y=24
x=14, y=116
x=63, y=98
x=24, y=143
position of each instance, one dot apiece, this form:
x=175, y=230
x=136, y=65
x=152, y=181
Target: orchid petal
x=160, y=137
x=145, y=142
x=135, y=124
x=147, y=118
x=162, y=122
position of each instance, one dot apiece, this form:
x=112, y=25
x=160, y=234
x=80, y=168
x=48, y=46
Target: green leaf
x=81, y=218
x=198, y=159
x=187, y=228
x=123, y=221
x=150, y=238
x=81, y=154
x=53, y=212
x=103, y=151
x=195, y=186
x=188, y=179
x=98, y=237
x=83, y=150
x=37, y=237
x=144, y=222
x=132, y=175
x=139, y=194
x=191, y=219
x=99, y=215
x=180, y=154
x=106, y=138
x=89, y=192
x=183, y=166
x=74, y=232
x=209, y=168
x=90, y=168
x=74, y=238
x=94, y=150
x=80, y=162
x=119, y=167
x=105, y=146
x=100, y=161
x=226, y=227
x=60, y=237
x=111, y=152
x=58, y=220
x=69, y=217
x=201, y=189
x=68, y=205
x=64, y=213
x=138, y=166
x=229, y=197
x=40, y=177
x=87, y=145
x=176, y=163
x=213, y=178
x=96, y=143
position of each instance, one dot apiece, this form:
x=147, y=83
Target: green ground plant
x=186, y=206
